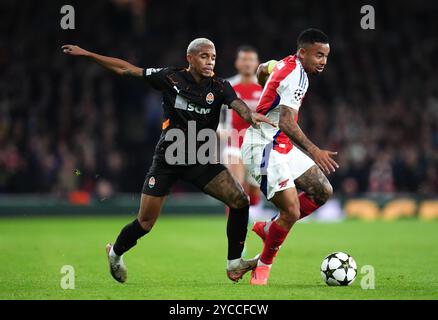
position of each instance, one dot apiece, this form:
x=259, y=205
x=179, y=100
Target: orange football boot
x=259, y=229
x=260, y=275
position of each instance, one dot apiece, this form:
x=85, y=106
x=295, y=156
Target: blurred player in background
x=192, y=101
x=249, y=90
x=282, y=159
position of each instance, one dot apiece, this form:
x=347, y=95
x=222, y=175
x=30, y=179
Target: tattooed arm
x=288, y=125
x=118, y=66
x=246, y=114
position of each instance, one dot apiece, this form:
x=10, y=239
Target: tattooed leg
x=226, y=189
x=315, y=184
x=317, y=190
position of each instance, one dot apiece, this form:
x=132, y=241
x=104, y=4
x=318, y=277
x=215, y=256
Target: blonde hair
x=196, y=45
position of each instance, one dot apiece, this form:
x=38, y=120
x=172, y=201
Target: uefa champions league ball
x=338, y=269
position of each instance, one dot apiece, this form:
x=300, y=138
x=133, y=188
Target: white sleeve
x=292, y=89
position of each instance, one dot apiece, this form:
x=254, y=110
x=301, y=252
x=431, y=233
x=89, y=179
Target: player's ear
x=301, y=52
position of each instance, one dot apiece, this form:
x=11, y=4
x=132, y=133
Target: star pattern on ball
x=329, y=273
x=339, y=274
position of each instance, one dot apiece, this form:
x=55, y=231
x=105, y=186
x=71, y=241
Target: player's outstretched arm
x=116, y=65
x=253, y=118
x=323, y=158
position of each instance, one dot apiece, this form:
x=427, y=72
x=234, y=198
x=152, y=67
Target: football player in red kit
x=282, y=159
x=249, y=90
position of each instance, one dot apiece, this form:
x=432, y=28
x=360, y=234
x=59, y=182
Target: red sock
x=307, y=206
x=274, y=239
x=254, y=198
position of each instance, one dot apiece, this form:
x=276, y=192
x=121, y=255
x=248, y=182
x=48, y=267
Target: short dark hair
x=246, y=48
x=310, y=36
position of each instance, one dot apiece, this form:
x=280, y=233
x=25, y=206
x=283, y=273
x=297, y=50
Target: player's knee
x=326, y=194
x=291, y=214
x=328, y=191
x=146, y=224
x=239, y=200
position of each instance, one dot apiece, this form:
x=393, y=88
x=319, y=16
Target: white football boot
x=237, y=271
x=117, y=266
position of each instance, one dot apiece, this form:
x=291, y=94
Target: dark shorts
x=161, y=176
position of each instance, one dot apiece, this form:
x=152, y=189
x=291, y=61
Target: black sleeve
x=155, y=77
x=229, y=94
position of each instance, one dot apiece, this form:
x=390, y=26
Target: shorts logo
x=151, y=182
x=209, y=98
x=283, y=184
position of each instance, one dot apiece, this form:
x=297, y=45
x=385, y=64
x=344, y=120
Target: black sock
x=128, y=237
x=236, y=231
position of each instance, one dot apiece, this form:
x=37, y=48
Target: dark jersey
x=185, y=100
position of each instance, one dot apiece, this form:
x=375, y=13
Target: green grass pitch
x=184, y=258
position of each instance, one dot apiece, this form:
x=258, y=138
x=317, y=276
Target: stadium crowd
x=66, y=124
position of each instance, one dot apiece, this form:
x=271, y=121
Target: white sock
x=260, y=263
x=266, y=227
x=113, y=255
x=232, y=264
x=268, y=223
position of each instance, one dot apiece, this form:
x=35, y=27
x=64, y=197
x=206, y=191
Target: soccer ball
x=338, y=269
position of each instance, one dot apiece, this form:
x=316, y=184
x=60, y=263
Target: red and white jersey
x=287, y=85
x=250, y=93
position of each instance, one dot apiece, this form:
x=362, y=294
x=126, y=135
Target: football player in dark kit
x=192, y=96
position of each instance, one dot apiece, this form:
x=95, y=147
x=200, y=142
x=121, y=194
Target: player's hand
x=74, y=50
x=324, y=160
x=257, y=118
